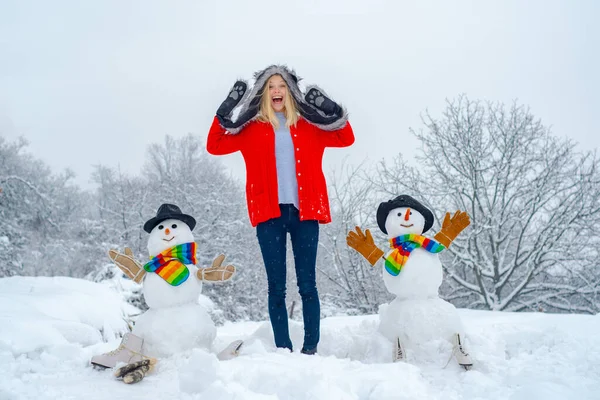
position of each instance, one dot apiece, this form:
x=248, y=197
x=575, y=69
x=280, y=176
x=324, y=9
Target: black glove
x=233, y=99
x=317, y=99
x=248, y=110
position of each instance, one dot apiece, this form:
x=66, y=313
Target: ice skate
x=129, y=351
x=459, y=351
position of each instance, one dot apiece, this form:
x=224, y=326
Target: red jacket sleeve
x=219, y=142
x=342, y=137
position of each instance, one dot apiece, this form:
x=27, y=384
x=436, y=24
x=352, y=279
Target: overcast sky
x=95, y=82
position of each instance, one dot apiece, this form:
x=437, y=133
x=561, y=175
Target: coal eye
x=160, y=227
x=410, y=213
x=399, y=214
x=174, y=226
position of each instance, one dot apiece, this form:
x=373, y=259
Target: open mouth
x=406, y=226
x=168, y=240
x=277, y=99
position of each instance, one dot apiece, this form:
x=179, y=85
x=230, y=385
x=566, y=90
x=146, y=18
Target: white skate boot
x=459, y=351
x=399, y=353
x=129, y=351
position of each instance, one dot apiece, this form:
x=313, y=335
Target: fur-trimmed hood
x=249, y=104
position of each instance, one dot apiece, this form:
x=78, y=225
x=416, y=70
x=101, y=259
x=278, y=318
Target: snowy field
x=50, y=327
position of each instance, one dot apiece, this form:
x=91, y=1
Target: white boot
x=129, y=351
x=461, y=354
x=399, y=353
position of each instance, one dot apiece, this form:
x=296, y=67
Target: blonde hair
x=267, y=113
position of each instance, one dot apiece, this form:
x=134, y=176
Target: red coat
x=257, y=144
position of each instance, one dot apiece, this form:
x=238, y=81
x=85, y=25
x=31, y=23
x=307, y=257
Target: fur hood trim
x=247, y=109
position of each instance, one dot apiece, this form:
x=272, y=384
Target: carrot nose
x=407, y=214
x=167, y=231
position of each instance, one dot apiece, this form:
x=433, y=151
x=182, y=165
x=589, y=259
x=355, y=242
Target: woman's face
x=277, y=92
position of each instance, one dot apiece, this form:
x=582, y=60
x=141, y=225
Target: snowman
x=417, y=319
x=171, y=284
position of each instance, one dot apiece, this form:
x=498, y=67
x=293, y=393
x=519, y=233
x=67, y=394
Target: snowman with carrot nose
x=417, y=321
x=171, y=284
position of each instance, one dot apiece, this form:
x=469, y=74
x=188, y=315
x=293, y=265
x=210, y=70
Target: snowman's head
x=404, y=220
x=168, y=233
x=403, y=215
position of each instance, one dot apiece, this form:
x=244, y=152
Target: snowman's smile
x=406, y=226
x=168, y=240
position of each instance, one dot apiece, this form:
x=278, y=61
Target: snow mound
x=171, y=330
x=50, y=327
x=39, y=313
x=199, y=372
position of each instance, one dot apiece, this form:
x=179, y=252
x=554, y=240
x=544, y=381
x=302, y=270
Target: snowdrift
x=50, y=327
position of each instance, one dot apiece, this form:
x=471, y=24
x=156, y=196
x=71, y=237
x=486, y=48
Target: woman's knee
x=308, y=290
x=277, y=290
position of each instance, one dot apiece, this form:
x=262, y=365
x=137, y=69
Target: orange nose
x=407, y=214
x=167, y=231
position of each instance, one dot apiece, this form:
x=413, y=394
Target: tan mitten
x=128, y=264
x=216, y=272
x=452, y=227
x=364, y=244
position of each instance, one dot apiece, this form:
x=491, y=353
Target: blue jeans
x=272, y=236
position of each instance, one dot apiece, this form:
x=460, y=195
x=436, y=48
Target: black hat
x=403, y=200
x=169, y=211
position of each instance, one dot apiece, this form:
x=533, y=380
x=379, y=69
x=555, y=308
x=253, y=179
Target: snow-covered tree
x=37, y=208
x=122, y=206
x=534, y=202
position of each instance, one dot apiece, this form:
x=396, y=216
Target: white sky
x=96, y=82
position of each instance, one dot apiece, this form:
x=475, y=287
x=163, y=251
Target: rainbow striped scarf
x=170, y=264
x=403, y=245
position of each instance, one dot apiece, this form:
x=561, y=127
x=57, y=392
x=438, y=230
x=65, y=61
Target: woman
x=282, y=135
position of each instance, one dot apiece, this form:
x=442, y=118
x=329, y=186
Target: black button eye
x=410, y=213
x=399, y=214
x=161, y=227
x=174, y=226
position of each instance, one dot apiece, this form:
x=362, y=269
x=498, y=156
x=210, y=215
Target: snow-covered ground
x=50, y=327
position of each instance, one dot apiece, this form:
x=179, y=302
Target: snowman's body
x=420, y=278
x=159, y=294
x=417, y=316
x=420, y=323
x=175, y=320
